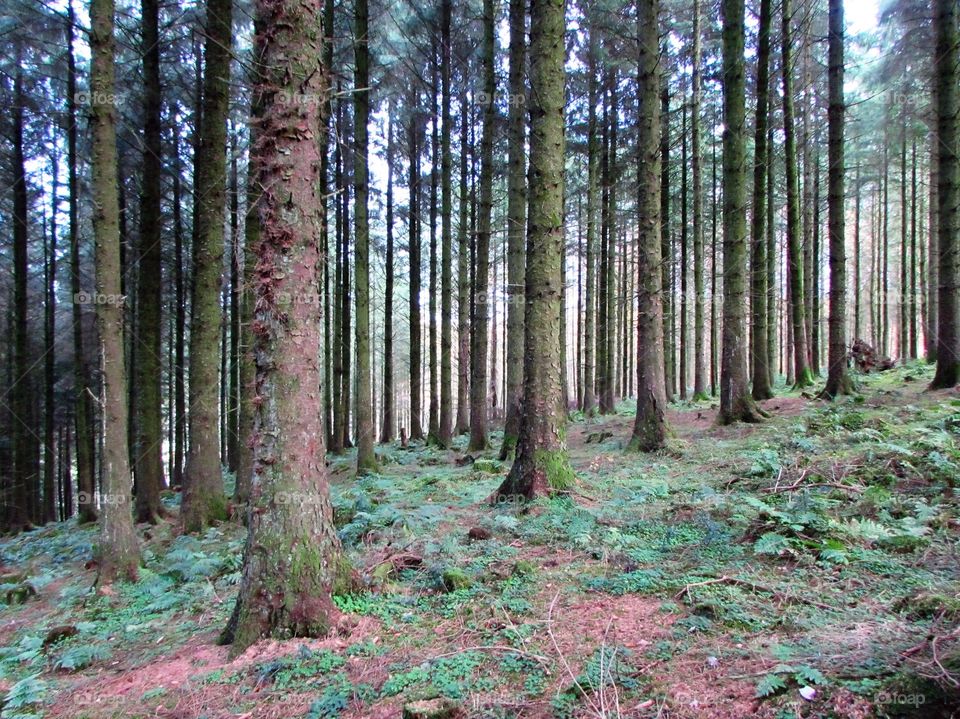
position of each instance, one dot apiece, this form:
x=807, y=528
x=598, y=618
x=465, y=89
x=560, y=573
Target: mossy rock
x=454, y=579
x=523, y=568
x=902, y=543
x=487, y=466
x=440, y=708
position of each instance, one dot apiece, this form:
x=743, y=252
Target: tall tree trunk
x=914, y=294
x=463, y=281
x=516, y=223
x=292, y=561
x=666, y=249
x=699, y=367
x=838, y=381
x=948, y=194
x=84, y=441
x=387, y=427
x=433, y=431
x=758, y=239
x=148, y=464
x=49, y=354
x=366, y=459
x=933, y=284
x=773, y=326
x=236, y=261
x=857, y=302
x=118, y=554
x=593, y=166
x=479, y=324
x=445, y=430
x=803, y=377
x=684, y=253
x=736, y=404
x=541, y=465
x=650, y=426
x=17, y=512
x=416, y=422
x=203, y=498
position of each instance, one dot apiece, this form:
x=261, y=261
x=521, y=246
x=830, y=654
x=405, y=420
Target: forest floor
x=807, y=566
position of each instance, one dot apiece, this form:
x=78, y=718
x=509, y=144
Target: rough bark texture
x=445, y=429
x=516, y=223
x=480, y=324
x=803, y=377
x=699, y=365
x=81, y=378
x=118, y=553
x=838, y=381
x=650, y=426
x=292, y=561
x=366, y=459
x=948, y=194
x=203, y=498
x=736, y=404
x=762, y=388
x=416, y=421
x=541, y=463
x=463, y=282
x=590, y=318
x=387, y=428
x=148, y=464
x=16, y=514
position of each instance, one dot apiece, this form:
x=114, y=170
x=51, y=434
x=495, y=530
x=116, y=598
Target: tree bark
x=838, y=380
x=803, y=377
x=203, y=498
x=148, y=465
x=118, y=554
x=541, y=465
x=516, y=223
x=736, y=404
x=292, y=561
x=366, y=458
x=650, y=426
x=480, y=321
x=699, y=367
x=762, y=388
x=948, y=194
x=445, y=429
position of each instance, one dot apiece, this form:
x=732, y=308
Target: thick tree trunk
x=666, y=248
x=699, y=366
x=838, y=381
x=17, y=515
x=366, y=459
x=292, y=561
x=758, y=238
x=593, y=167
x=81, y=378
x=948, y=194
x=416, y=421
x=463, y=281
x=541, y=465
x=148, y=465
x=516, y=224
x=445, y=429
x=118, y=553
x=203, y=498
x=650, y=427
x=803, y=377
x=387, y=426
x=684, y=255
x=50, y=443
x=433, y=423
x=480, y=321
x=736, y=404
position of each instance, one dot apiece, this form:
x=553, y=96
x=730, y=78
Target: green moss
x=454, y=579
x=523, y=568
x=556, y=465
x=487, y=466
